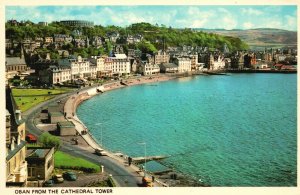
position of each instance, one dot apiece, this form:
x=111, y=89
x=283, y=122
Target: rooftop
x=17, y=148
x=120, y=56
x=169, y=65
x=55, y=114
x=66, y=124
x=15, y=61
x=40, y=153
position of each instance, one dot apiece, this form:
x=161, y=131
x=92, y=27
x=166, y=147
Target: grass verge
x=65, y=161
x=27, y=98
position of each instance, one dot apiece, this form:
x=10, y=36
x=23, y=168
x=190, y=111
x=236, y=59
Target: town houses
x=31, y=56
x=25, y=166
x=74, y=57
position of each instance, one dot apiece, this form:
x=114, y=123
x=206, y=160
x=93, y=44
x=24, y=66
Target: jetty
x=142, y=159
x=215, y=72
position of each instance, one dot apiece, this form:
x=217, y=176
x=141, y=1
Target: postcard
x=130, y=97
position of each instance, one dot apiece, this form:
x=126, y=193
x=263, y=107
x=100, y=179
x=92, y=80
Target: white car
x=100, y=152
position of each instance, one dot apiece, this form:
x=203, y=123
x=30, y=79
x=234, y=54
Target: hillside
x=261, y=37
x=154, y=38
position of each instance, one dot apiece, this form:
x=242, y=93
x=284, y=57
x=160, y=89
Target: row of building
x=76, y=39
x=172, y=60
x=25, y=166
x=73, y=23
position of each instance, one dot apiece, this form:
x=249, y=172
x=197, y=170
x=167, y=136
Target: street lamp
x=145, y=146
x=100, y=124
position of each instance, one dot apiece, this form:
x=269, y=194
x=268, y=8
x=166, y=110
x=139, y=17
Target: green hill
x=155, y=37
x=261, y=37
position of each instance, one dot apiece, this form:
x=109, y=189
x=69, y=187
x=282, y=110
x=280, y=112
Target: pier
x=138, y=160
x=215, y=72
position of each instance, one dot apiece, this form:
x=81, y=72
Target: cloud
x=196, y=12
x=224, y=10
x=198, y=23
x=193, y=11
x=251, y=11
x=195, y=18
x=227, y=17
x=291, y=21
x=248, y=25
x=229, y=22
x=271, y=23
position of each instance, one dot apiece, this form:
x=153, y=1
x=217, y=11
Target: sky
x=188, y=16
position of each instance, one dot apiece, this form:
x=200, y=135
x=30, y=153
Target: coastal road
x=122, y=176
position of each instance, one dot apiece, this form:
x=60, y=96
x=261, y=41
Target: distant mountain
x=260, y=37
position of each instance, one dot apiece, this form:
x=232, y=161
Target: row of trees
x=155, y=37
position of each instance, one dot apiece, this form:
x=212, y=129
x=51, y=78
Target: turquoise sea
x=236, y=130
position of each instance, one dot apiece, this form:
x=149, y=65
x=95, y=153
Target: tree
x=108, y=48
x=146, y=47
x=49, y=140
x=154, y=34
x=68, y=46
x=54, y=55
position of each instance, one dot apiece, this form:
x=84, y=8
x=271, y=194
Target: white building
x=59, y=74
x=119, y=64
x=55, y=74
x=149, y=69
x=80, y=67
x=98, y=61
x=218, y=64
x=261, y=66
x=184, y=64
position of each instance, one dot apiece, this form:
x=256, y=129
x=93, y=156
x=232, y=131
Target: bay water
x=236, y=130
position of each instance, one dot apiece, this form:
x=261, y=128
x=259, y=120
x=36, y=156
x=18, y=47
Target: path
x=70, y=112
x=123, y=175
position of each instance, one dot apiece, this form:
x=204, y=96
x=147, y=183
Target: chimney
x=12, y=145
x=48, y=56
x=22, y=52
x=18, y=139
x=18, y=115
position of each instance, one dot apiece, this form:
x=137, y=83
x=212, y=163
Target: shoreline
x=75, y=100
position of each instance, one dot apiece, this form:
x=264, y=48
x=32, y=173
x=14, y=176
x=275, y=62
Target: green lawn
x=65, y=161
x=27, y=98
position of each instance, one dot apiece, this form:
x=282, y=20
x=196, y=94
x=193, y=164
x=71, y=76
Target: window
x=31, y=172
x=21, y=156
x=49, y=164
x=8, y=169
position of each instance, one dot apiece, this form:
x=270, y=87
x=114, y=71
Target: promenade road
x=122, y=174
x=70, y=111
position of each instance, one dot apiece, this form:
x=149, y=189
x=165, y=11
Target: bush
x=110, y=182
x=48, y=140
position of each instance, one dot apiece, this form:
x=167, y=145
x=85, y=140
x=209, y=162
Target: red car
x=30, y=138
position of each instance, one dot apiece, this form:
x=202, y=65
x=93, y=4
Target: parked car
x=48, y=183
x=30, y=138
x=100, y=152
x=70, y=176
x=58, y=178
